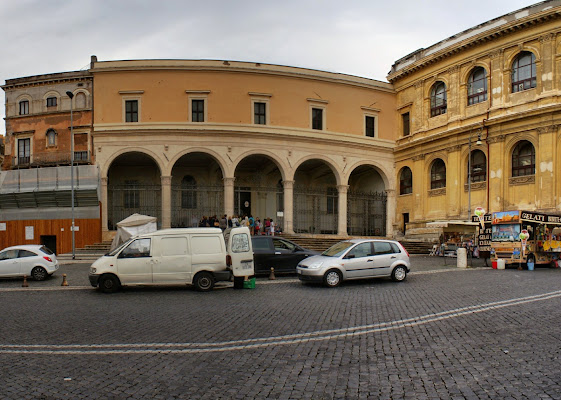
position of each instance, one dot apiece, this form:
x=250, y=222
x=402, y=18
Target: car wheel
x=109, y=283
x=332, y=278
x=399, y=273
x=39, y=273
x=204, y=281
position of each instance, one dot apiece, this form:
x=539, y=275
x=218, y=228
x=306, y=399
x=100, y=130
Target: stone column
x=104, y=214
x=342, y=205
x=421, y=183
x=166, y=202
x=288, y=187
x=499, y=79
x=229, y=196
x=545, y=171
x=497, y=175
x=548, y=61
x=390, y=211
x=454, y=186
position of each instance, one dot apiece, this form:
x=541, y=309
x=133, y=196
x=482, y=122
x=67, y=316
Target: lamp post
x=479, y=142
x=71, y=95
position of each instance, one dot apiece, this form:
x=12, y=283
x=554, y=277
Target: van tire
x=332, y=278
x=204, y=281
x=109, y=283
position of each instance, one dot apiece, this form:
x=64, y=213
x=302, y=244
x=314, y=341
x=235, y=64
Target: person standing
x=272, y=228
x=251, y=225
x=223, y=224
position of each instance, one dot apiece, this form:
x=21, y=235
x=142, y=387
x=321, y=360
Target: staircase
x=323, y=243
x=90, y=253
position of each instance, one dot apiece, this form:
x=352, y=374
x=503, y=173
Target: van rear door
x=240, y=250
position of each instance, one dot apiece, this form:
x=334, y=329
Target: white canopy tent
x=136, y=224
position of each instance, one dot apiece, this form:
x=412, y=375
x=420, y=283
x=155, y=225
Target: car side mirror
x=349, y=256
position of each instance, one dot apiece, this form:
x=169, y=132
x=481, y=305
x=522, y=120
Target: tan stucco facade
x=228, y=135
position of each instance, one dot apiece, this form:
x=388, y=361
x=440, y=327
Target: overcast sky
x=361, y=38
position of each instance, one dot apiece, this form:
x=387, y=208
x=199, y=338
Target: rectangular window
x=317, y=118
x=23, y=107
x=131, y=111
x=197, y=111
x=24, y=151
x=260, y=113
x=405, y=122
x=51, y=102
x=370, y=126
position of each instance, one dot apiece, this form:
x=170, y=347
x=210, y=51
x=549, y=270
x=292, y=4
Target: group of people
x=256, y=227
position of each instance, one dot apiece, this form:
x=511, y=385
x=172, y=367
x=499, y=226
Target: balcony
x=51, y=159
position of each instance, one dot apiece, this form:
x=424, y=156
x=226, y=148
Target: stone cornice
x=521, y=180
x=437, y=192
x=497, y=27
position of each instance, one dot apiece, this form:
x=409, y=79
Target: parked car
x=35, y=261
x=278, y=253
x=356, y=259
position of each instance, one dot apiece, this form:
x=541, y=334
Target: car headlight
x=93, y=270
x=315, y=265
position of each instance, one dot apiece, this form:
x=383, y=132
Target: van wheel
x=204, y=281
x=39, y=273
x=399, y=273
x=109, y=283
x=332, y=278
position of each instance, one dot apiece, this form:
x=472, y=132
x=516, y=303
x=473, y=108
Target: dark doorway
x=49, y=241
x=405, y=221
x=243, y=201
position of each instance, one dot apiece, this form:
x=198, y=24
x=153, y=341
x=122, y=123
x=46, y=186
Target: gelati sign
x=539, y=218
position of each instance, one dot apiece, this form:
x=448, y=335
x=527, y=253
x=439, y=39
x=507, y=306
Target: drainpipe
x=488, y=156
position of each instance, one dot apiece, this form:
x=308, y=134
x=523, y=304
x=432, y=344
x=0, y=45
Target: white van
x=192, y=256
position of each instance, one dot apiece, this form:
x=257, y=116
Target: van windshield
x=118, y=249
x=337, y=249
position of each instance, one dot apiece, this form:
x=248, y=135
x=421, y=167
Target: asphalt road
x=444, y=333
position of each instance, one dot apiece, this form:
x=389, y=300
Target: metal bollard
x=272, y=274
x=25, y=284
x=64, y=282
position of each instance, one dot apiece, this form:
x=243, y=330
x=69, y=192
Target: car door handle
x=369, y=260
x=393, y=257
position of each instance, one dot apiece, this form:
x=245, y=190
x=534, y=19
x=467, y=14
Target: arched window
x=477, y=86
x=478, y=166
x=524, y=72
x=523, y=159
x=188, y=192
x=438, y=101
x=438, y=174
x=406, y=181
x=51, y=138
x=80, y=100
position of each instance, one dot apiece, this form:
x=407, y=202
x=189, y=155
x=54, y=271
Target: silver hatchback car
x=356, y=259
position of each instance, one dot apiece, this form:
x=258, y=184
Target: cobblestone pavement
x=444, y=333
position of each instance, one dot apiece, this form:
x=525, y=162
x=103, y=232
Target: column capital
x=288, y=184
x=103, y=181
x=166, y=180
x=229, y=181
x=343, y=188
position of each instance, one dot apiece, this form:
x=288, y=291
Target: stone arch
x=261, y=152
x=104, y=169
x=466, y=73
x=328, y=161
x=384, y=174
x=211, y=153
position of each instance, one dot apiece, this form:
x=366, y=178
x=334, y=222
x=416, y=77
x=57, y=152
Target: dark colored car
x=278, y=253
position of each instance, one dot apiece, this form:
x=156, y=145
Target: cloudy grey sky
x=354, y=37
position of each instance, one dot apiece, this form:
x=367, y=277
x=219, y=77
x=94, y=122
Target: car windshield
x=337, y=249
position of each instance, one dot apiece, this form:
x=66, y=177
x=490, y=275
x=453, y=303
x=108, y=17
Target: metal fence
x=366, y=213
x=124, y=200
x=315, y=210
x=189, y=204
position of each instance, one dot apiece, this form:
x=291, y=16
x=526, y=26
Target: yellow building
x=497, y=89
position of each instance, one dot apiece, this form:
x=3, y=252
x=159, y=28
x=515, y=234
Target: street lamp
x=71, y=95
x=479, y=142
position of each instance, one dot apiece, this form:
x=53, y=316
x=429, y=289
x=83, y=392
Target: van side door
x=134, y=262
x=241, y=252
x=173, y=263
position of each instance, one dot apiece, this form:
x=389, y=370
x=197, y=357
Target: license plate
x=247, y=265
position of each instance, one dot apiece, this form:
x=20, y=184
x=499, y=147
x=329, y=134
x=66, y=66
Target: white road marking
x=323, y=335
